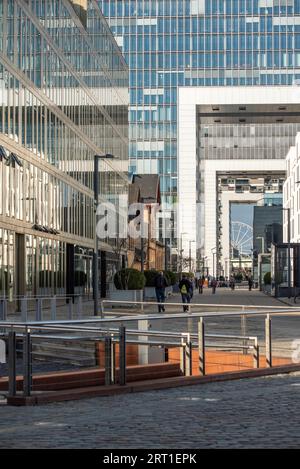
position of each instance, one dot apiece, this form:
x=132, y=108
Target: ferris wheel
x=241, y=239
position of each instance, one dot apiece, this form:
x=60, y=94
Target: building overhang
x=197, y=102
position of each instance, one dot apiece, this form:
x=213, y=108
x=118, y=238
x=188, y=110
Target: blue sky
x=242, y=213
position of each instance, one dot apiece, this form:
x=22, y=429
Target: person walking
x=232, y=283
x=200, y=284
x=186, y=290
x=160, y=284
x=250, y=283
x=213, y=286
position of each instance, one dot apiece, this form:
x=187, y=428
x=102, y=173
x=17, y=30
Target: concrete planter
x=126, y=295
x=150, y=293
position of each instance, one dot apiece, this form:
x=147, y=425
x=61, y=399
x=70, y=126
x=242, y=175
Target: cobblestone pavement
x=256, y=413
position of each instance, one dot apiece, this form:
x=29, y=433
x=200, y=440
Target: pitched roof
x=149, y=187
x=133, y=194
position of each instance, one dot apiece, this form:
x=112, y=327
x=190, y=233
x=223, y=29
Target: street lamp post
x=190, y=254
x=288, y=210
x=167, y=246
x=214, y=253
x=96, y=253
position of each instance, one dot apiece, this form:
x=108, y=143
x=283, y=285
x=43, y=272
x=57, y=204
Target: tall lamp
x=288, y=210
x=96, y=254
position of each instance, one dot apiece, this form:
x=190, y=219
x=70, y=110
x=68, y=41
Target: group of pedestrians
x=186, y=288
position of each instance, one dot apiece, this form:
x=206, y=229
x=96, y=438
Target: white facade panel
x=291, y=193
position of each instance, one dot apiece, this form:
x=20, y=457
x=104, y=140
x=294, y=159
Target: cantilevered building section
x=64, y=98
x=237, y=134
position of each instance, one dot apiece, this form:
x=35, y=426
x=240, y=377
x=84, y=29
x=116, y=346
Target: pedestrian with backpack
x=186, y=290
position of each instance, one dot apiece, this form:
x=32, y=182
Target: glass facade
x=64, y=98
x=172, y=43
x=246, y=141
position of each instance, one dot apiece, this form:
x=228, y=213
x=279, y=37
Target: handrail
x=43, y=297
x=140, y=332
x=185, y=340
x=135, y=341
x=211, y=314
x=145, y=303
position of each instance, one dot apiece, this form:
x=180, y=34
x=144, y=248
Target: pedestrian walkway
x=236, y=297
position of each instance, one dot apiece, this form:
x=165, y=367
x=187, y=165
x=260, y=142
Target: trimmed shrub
x=171, y=277
x=267, y=278
x=150, y=276
x=129, y=279
x=238, y=277
x=189, y=275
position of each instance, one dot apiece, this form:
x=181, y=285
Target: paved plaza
x=252, y=413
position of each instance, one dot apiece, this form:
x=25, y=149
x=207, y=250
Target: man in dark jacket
x=186, y=290
x=160, y=284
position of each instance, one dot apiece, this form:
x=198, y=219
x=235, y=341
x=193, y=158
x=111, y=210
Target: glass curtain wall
x=64, y=98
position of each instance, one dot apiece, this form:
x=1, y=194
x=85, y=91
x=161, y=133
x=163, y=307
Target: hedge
x=129, y=279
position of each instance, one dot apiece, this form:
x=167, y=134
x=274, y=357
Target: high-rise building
x=182, y=56
x=64, y=99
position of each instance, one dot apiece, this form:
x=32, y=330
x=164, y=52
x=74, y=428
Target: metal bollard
x=201, y=346
x=12, y=383
x=24, y=309
x=182, y=357
x=108, y=361
x=101, y=310
x=188, y=358
x=256, y=354
x=3, y=309
x=70, y=309
x=27, y=364
x=244, y=330
x=38, y=310
x=113, y=362
x=53, y=308
x=268, y=337
x=122, y=355
x=79, y=307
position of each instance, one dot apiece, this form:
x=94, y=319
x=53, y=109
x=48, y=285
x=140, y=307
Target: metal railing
x=186, y=341
x=38, y=304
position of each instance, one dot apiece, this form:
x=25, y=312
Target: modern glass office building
x=64, y=99
x=170, y=44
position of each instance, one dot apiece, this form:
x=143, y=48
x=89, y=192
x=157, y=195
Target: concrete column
x=150, y=354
